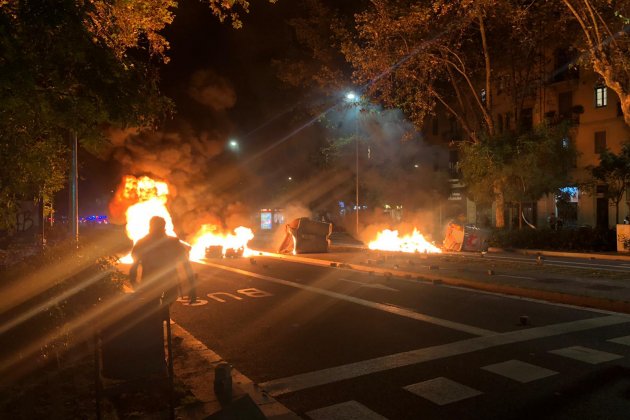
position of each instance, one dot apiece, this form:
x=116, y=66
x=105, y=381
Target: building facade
x=597, y=124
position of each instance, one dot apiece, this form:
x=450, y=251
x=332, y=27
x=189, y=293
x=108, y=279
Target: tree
x=604, y=26
x=82, y=67
x=528, y=166
x=457, y=55
x=613, y=172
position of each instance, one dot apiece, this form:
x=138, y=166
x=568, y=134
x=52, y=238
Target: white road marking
x=269, y=406
x=442, y=391
x=365, y=367
x=621, y=340
x=349, y=410
x=519, y=371
x=516, y=277
x=567, y=264
x=374, y=305
x=585, y=354
x=370, y=285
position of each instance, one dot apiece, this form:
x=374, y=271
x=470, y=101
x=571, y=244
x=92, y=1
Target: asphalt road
x=338, y=343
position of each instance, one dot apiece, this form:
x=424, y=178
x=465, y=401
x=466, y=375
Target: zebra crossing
x=443, y=391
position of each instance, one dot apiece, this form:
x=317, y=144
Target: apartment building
x=568, y=93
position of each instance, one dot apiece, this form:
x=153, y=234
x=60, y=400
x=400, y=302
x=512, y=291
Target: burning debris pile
x=388, y=240
x=140, y=199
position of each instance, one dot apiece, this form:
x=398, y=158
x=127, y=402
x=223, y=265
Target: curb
x=196, y=368
x=550, y=296
x=585, y=255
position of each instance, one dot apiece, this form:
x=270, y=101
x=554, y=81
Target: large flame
x=388, y=240
x=209, y=236
x=146, y=198
x=150, y=198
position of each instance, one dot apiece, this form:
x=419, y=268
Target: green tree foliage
x=613, y=172
x=523, y=167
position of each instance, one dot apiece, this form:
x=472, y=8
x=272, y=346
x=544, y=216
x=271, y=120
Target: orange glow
x=388, y=240
x=143, y=198
x=149, y=197
x=209, y=235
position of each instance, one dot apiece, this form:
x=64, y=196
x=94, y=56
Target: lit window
x=601, y=96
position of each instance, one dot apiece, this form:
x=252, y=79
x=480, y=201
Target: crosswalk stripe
x=519, y=371
x=442, y=391
x=349, y=410
x=587, y=355
x=621, y=340
x=307, y=380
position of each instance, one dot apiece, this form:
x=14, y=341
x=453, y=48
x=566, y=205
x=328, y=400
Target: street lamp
x=353, y=98
x=233, y=144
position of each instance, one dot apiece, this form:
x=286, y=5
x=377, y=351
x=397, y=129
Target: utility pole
x=74, y=190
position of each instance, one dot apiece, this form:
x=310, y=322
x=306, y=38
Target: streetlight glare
x=233, y=143
x=351, y=96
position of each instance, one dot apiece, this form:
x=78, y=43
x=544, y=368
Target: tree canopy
x=70, y=66
x=613, y=172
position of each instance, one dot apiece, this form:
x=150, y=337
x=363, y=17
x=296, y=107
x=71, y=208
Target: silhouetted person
x=160, y=255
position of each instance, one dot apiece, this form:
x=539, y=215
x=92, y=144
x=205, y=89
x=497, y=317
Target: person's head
x=157, y=225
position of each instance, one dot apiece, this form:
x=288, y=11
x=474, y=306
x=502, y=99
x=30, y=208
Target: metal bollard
x=223, y=382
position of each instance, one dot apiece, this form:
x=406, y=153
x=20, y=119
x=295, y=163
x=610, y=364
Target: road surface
x=339, y=343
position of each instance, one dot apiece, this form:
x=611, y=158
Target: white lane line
x=587, y=355
x=366, y=367
x=625, y=340
x=374, y=305
x=349, y=410
x=370, y=285
x=619, y=268
x=442, y=391
x=520, y=371
x=515, y=277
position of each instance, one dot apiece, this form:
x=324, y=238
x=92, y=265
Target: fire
x=388, y=240
x=145, y=198
x=150, y=197
x=208, y=236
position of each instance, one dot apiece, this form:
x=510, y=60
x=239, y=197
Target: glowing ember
x=388, y=240
x=208, y=236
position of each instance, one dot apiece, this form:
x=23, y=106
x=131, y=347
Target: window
x=565, y=103
x=508, y=121
x=527, y=119
x=600, y=141
x=483, y=96
x=500, y=122
x=601, y=96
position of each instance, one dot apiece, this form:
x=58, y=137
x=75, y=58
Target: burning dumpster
x=465, y=238
x=306, y=236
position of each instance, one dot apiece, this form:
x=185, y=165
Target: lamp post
x=352, y=97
